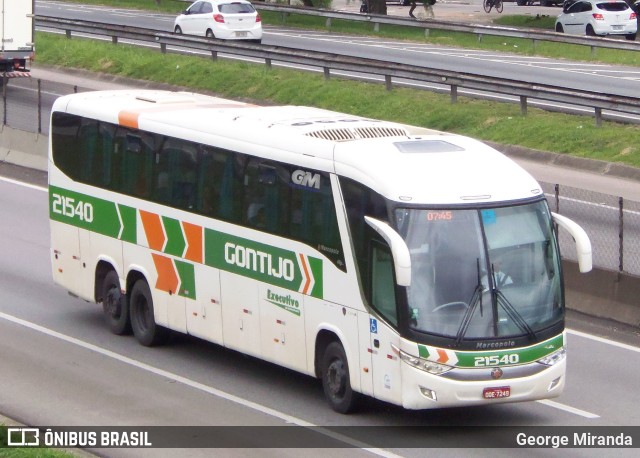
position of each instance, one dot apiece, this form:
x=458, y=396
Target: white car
x=224, y=19
x=598, y=17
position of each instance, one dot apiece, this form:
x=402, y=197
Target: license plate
x=496, y=393
x=617, y=27
x=241, y=34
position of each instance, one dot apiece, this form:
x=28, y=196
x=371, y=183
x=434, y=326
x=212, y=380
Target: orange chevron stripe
x=443, y=357
x=193, y=234
x=153, y=229
x=167, y=276
x=305, y=289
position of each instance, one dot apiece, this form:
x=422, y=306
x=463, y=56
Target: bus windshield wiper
x=513, y=313
x=476, y=298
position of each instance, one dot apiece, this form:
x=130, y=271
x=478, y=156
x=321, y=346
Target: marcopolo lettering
x=308, y=179
x=259, y=261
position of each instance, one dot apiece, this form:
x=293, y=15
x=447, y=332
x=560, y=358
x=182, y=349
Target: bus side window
x=209, y=179
x=97, y=139
x=361, y=201
x=176, y=170
x=137, y=163
x=266, y=197
x=313, y=217
x=383, y=291
x=89, y=141
x=231, y=187
x=65, y=146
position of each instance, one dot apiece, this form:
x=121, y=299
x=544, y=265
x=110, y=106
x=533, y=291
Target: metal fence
x=613, y=224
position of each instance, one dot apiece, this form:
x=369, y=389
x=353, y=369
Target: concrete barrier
x=603, y=293
x=22, y=148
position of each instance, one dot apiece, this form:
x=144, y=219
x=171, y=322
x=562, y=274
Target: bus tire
x=114, y=305
x=143, y=323
x=335, y=379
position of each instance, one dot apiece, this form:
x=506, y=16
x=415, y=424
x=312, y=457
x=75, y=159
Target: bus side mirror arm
x=399, y=250
x=583, y=244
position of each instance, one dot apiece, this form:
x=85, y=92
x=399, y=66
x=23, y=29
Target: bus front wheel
x=143, y=323
x=114, y=305
x=335, y=379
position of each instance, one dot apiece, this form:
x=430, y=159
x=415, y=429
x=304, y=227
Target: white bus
x=414, y=266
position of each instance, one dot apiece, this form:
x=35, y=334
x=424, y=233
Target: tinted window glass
x=575, y=8
x=383, y=292
x=236, y=8
x=613, y=6
x=195, y=8
x=176, y=174
x=361, y=201
x=64, y=143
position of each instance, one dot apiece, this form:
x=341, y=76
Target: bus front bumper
x=422, y=390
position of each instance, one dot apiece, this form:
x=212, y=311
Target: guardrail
x=479, y=30
x=331, y=62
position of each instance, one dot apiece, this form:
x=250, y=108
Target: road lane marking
x=604, y=340
x=198, y=386
x=22, y=183
x=566, y=408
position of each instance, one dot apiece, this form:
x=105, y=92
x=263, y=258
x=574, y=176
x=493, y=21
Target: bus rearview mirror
x=583, y=244
x=399, y=250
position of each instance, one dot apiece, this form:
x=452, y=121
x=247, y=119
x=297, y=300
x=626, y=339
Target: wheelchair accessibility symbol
x=373, y=325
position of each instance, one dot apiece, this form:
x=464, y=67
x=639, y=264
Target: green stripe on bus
x=186, y=273
x=276, y=266
x=175, y=238
x=315, y=265
x=501, y=357
x=86, y=212
x=261, y=262
x=129, y=222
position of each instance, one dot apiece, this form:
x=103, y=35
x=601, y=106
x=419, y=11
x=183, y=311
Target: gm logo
x=308, y=179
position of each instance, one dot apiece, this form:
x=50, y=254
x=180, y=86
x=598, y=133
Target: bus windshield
x=482, y=273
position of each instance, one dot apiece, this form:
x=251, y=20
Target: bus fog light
x=554, y=357
x=554, y=384
x=427, y=393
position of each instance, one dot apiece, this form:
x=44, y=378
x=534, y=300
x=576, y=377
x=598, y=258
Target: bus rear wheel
x=143, y=323
x=335, y=379
x=114, y=305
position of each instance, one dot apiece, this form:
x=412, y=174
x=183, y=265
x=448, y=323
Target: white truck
x=17, y=30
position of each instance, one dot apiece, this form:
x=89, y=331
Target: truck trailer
x=17, y=30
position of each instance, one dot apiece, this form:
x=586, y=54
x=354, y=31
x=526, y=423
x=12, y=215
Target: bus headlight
x=554, y=357
x=424, y=364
